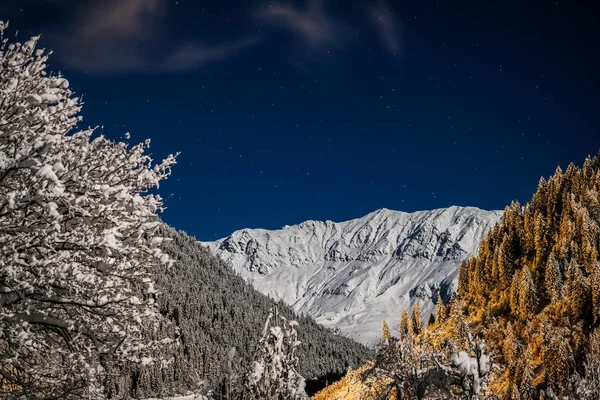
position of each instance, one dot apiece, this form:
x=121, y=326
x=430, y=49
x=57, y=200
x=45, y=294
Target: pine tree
x=431, y=320
x=595, y=289
x=459, y=328
x=540, y=238
x=577, y=293
x=405, y=322
x=200, y=288
x=589, y=387
x=514, y=393
x=589, y=232
x=553, y=277
x=529, y=222
x=440, y=311
x=526, y=388
x=567, y=233
x=385, y=331
x=558, y=361
x=507, y=258
x=463, y=279
x=528, y=298
x=514, y=293
x=510, y=346
x=417, y=324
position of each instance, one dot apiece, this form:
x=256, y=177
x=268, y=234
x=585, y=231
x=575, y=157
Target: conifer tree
x=588, y=388
x=540, y=238
x=567, y=232
x=577, y=299
x=558, y=361
x=459, y=327
x=440, y=311
x=506, y=260
x=529, y=223
x=526, y=388
x=417, y=324
x=589, y=232
x=385, y=331
x=431, y=320
x=553, y=277
x=595, y=289
x=528, y=297
x=463, y=279
x=405, y=322
x=514, y=293
x=510, y=346
x=514, y=393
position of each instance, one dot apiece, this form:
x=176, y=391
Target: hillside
x=215, y=310
x=532, y=294
x=534, y=289
x=351, y=275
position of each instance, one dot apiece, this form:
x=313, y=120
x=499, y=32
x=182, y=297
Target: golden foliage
x=533, y=293
x=535, y=283
x=385, y=331
x=357, y=386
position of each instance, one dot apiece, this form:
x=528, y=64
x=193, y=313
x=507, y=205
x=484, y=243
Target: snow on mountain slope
x=351, y=275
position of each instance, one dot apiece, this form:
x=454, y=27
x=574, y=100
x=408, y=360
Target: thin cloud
x=106, y=36
x=194, y=55
x=127, y=35
x=316, y=28
x=387, y=26
x=118, y=18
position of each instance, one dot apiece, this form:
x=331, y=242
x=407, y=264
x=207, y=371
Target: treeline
x=214, y=309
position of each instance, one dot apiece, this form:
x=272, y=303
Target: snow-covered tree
x=553, y=279
x=558, y=360
x=414, y=369
x=588, y=386
x=528, y=296
x=77, y=238
x=273, y=375
x=459, y=327
x=577, y=297
x=527, y=387
x=471, y=368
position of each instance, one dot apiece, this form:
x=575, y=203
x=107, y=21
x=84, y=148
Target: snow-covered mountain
x=351, y=275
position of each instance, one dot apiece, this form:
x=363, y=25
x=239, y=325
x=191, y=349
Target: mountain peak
x=352, y=274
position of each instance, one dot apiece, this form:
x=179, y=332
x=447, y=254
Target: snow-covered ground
x=351, y=275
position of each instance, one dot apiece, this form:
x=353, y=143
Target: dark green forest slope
x=215, y=309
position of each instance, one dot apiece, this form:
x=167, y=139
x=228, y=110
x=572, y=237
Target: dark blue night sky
x=287, y=111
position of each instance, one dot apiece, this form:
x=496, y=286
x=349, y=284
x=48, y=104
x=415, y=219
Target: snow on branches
x=78, y=225
x=273, y=374
x=416, y=369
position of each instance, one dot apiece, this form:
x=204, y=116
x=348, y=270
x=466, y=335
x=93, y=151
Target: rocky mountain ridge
x=350, y=275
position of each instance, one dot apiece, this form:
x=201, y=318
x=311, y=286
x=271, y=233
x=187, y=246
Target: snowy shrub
x=77, y=238
x=273, y=374
x=472, y=368
x=416, y=370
